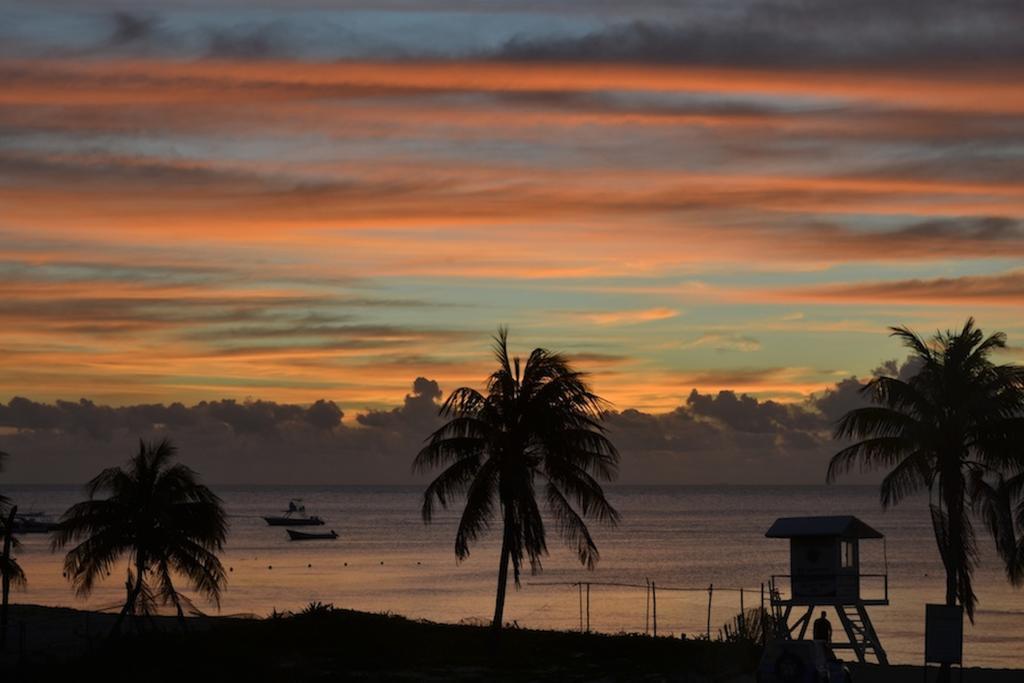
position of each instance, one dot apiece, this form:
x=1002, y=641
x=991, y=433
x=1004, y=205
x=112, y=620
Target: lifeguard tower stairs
x=825, y=573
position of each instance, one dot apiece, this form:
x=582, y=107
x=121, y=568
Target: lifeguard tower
x=824, y=559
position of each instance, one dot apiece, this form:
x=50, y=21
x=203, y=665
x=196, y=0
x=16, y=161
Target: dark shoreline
x=65, y=644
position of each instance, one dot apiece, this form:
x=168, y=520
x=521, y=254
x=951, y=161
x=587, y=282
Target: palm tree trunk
x=955, y=552
x=133, y=595
x=181, y=618
x=499, y=601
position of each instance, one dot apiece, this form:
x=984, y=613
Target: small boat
x=307, y=536
x=295, y=515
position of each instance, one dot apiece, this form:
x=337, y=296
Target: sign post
x=943, y=636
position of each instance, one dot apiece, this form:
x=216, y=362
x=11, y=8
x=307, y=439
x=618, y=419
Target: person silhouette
x=822, y=628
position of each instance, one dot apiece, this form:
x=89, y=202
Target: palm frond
x=12, y=571
x=454, y=481
x=582, y=488
x=912, y=341
x=911, y=475
x=200, y=566
x=464, y=401
x=959, y=558
x=479, y=509
x=995, y=504
x=572, y=527
x=532, y=527
x=870, y=454
x=93, y=559
x=875, y=421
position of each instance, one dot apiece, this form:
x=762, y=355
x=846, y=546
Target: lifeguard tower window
x=847, y=555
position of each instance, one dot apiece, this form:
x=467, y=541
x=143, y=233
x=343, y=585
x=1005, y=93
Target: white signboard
x=943, y=634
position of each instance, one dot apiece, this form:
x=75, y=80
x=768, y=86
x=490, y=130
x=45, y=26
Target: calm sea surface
x=689, y=537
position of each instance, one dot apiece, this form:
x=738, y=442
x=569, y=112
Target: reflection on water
x=385, y=559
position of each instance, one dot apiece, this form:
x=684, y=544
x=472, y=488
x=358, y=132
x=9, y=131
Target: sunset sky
x=209, y=200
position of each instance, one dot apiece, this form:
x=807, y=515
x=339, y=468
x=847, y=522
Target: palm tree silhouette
x=11, y=573
x=537, y=425
x=162, y=518
x=955, y=429
x=4, y=500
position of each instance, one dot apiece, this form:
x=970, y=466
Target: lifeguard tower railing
x=827, y=590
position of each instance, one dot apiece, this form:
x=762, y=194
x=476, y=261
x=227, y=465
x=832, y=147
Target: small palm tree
x=11, y=573
x=537, y=426
x=955, y=429
x=161, y=517
x=4, y=500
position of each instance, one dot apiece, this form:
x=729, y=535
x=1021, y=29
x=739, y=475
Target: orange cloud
x=209, y=229
x=629, y=317
x=1006, y=289
x=126, y=81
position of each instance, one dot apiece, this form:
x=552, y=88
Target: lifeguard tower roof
x=843, y=526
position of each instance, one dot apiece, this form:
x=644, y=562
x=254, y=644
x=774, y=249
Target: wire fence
x=740, y=597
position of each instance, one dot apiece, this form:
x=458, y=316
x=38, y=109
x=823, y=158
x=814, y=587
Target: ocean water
x=386, y=559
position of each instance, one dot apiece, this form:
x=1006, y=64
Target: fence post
x=654, y=602
x=711, y=591
x=647, y=607
x=763, y=618
x=580, y=586
x=588, y=607
x=743, y=615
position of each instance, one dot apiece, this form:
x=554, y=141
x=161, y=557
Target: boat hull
x=304, y=536
x=294, y=521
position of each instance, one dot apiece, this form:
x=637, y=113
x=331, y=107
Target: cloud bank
x=758, y=32
x=721, y=437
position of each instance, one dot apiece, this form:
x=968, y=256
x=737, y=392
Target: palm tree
x=4, y=500
x=11, y=573
x=161, y=517
x=955, y=429
x=537, y=425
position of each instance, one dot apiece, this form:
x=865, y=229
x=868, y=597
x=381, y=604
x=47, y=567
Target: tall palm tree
x=537, y=425
x=955, y=429
x=161, y=517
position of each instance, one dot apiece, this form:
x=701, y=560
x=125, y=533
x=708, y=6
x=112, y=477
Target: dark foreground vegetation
x=340, y=645
x=324, y=644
